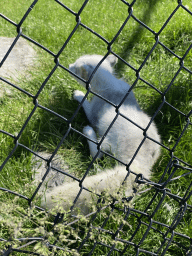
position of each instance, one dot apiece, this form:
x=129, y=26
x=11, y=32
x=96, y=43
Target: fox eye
x=77, y=70
x=90, y=66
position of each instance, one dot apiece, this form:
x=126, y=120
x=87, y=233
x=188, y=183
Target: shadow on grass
x=137, y=35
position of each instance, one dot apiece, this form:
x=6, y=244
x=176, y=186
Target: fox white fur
x=122, y=139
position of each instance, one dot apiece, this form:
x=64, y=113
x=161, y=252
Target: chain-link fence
x=123, y=228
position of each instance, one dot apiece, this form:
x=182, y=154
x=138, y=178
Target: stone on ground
x=54, y=178
x=19, y=61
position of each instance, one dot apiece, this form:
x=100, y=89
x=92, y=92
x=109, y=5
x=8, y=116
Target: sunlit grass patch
x=50, y=25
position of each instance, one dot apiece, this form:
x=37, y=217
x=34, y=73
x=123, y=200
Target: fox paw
x=78, y=95
x=89, y=132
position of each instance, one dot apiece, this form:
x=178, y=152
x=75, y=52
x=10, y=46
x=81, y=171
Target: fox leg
x=90, y=133
x=79, y=96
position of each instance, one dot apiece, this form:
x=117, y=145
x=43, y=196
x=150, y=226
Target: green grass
x=50, y=25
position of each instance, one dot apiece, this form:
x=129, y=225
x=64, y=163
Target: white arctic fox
x=122, y=140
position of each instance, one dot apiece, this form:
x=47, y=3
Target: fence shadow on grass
x=137, y=34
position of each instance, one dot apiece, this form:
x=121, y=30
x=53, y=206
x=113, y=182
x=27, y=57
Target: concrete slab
x=20, y=59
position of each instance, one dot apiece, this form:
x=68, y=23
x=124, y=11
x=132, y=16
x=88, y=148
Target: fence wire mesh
x=95, y=232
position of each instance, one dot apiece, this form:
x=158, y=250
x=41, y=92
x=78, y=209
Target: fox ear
x=112, y=59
